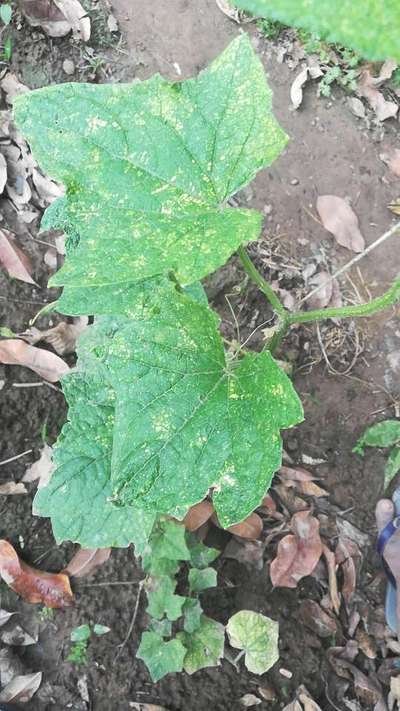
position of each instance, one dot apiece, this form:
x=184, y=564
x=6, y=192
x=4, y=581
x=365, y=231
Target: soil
x=330, y=152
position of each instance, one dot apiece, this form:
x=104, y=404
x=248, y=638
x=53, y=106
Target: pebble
x=68, y=66
x=295, y=181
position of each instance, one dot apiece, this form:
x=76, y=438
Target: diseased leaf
x=383, y=434
x=162, y=627
x=297, y=554
x=181, y=407
x=338, y=218
x=202, y=579
x=205, y=645
x=161, y=657
x=369, y=26
x=392, y=466
x=151, y=164
x=78, y=496
x=21, y=688
x=162, y=600
x=48, y=365
x=257, y=635
x=86, y=560
x=34, y=586
x=12, y=258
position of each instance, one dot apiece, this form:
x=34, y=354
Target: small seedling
x=383, y=435
x=46, y=614
x=80, y=636
x=270, y=29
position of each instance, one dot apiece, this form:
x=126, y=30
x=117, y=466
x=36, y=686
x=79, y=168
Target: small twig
x=133, y=620
x=107, y=584
x=37, y=385
x=17, y=456
x=353, y=261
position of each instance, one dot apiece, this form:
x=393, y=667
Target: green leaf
x=205, y=646
x=369, y=26
x=6, y=13
x=162, y=600
x=383, y=434
x=162, y=627
x=78, y=496
x=392, y=465
x=101, y=629
x=81, y=633
x=200, y=555
x=159, y=566
x=168, y=541
x=149, y=168
x=161, y=657
x=182, y=408
x=257, y=635
x=192, y=612
x=202, y=579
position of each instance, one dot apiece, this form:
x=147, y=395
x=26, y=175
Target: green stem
x=286, y=319
x=256, y=277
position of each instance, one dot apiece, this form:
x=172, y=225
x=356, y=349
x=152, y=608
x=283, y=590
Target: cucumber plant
x=160, y=416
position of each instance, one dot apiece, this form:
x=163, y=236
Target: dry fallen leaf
x=251, y=527
x=86, y=560
x=48, y=365
x=45, y=14
x=356, y=107
x=62, y=337
x=340, y=220
x=316, y=619
x=21, y=688
x=12, y=258
x=250, y=700
x=394, y=206
x=367, y=87
x=34, y=586
x=197, y=515
x=346, y=553
x=77, y=17
x=16, y=635
x=12, y=87
x=228, y=10
x=10, y=666
x=296, y=90
x=112, y=23
x=249, y=553
x=46, y=188
x=145, y=707
x=332, y=580
x=11, y=488
x=302, y=480
x=3, y=172
x=392, y=161
x=297, y=554
x=42, y=469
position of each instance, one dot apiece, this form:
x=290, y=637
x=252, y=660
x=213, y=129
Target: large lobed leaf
x=158, y=417
x=372, y=27
x=149, y=168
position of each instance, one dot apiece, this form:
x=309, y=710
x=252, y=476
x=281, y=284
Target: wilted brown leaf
x=5, y=616
x=34, y=586
x=296, y=90
x=249, y=553
x=77, y=17
x=333, y=587
x=42, y=469
x=251, y=527
x=249, y=701
x=12, y=87
x=146, y=707
x=340, y=220
x=21, y=688
x=297, y=554
x=302, y=480
x=16, y=634
x=86, y=560
x=12, y=258
x=12, y=488
x=316, y=619
x=62, y=337
x=48, y=365
x=45, y=14
x=197, y=515
x=346, y=552
x=3, y=172
x=367, y=87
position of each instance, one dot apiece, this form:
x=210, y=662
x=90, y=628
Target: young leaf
x=80, y=634
x=383, y=434
x=200, y=416
x=392, y=465
x=202, y=579
x=161, y=657
x=369, y=26
x=78, y=495
x=86, y=561
x=152, y=164
x=162, y=600
x=257, y=635
x=5, y=13
x=205, y=646
x=192, y=612
x=159, y=566
x=162, y=627
x=168, y=541
x=101, y=629
x=200, y=555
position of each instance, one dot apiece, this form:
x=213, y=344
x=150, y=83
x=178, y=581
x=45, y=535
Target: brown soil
x=330, y=151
